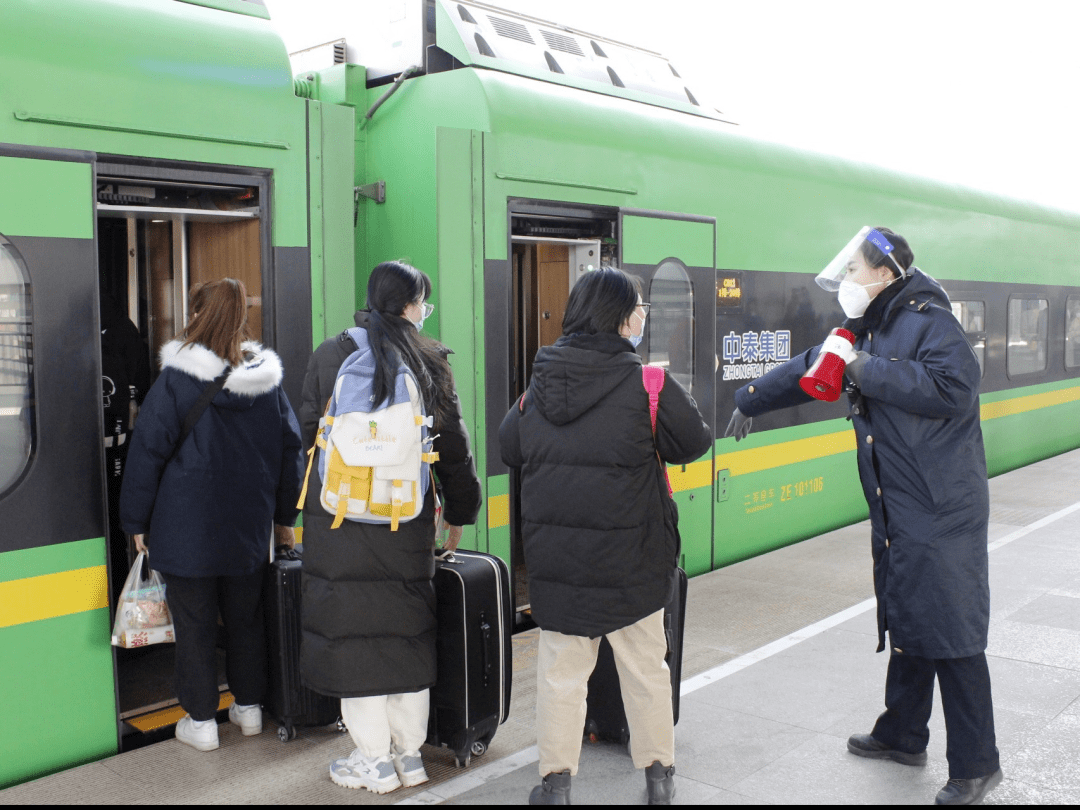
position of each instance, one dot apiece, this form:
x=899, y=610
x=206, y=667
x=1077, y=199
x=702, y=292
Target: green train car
x=146, y=145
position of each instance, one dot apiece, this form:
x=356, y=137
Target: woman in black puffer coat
x=599, y=528
x=368, y=600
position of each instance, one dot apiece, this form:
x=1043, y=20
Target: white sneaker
x=357, y=771
x=409, y=767
x=199, y=734
x=249, y=718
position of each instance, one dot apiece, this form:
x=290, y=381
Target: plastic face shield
x=854, y=256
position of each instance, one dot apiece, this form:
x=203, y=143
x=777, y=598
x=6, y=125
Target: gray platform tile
x=1025, y=565
x=716, y=614
x=1031, y=688
x=606, y=775
x=1006, y=600
x=1063, y=534
x=820, y=772
x=811, y=685
x=1012, y=791
x=1031, y=642
x=1051, y=610
x=719, y=746
x=995, y=531
x=864, y=624
x=1050, y=759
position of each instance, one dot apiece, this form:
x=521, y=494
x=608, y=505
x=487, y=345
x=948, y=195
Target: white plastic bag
x=142, y=616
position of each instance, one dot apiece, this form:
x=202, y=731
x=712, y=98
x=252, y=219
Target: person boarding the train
x=369, y=602
x=599, y=527
x=202, y=503
x=915, y=408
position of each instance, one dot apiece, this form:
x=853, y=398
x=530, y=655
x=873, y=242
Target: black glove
x=739, y=426
x=854, y=368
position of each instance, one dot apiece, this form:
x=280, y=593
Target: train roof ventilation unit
x=529, y=46
x=561, y=42
x=511, y=29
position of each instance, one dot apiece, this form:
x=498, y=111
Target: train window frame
x=976, y=335
x=16, y=359
x=1069, y=302
x=1009, y=372
x=659, y=311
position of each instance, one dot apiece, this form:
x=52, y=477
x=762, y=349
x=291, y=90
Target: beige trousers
x=564, y=664
x=375, y=722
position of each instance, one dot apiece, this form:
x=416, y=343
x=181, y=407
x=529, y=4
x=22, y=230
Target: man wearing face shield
x=914, y=392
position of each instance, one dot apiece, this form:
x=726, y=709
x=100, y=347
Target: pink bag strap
x=652, y=377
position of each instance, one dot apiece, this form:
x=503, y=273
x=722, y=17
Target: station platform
x=779, y=669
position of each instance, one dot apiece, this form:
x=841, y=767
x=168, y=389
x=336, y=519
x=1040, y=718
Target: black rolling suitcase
x=472, y=695
x=288, y=701
x=605, y=717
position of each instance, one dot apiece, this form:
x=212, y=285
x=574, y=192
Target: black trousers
x=971, y=747
x=195, y=603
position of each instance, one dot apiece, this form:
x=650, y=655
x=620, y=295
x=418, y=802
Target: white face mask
x=854, y=298
x=635, y=340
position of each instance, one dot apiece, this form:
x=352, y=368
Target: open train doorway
x=551, y=247
x=161, y=231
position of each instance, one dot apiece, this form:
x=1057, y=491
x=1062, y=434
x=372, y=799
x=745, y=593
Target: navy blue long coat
x=921, y=463
x=209, y=512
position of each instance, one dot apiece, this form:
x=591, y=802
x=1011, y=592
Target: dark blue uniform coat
x=921, y=463
x=210, y=510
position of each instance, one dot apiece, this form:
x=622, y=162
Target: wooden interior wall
x=229, y=250
x=553, y=288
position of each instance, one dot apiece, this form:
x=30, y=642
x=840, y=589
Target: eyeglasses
x=645, y=306
x=426, y=309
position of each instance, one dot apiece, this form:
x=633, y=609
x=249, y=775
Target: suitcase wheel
x=286, y=733
x=341, y=727
x=479, y=748
x=459, y=764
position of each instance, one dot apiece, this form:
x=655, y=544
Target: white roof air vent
x=520, y=40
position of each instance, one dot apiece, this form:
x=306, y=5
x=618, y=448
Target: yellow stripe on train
x=51, y=595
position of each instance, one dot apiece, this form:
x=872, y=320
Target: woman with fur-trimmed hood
x=204, y=509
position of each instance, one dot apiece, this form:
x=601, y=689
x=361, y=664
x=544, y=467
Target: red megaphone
x=825, y=379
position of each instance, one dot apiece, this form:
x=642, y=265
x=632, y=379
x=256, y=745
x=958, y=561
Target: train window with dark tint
x=671, y=322
x=972, y=317
x=1026, y=336
x=16, y=366
x=1072, y=332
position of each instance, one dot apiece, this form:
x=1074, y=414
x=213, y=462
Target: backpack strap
x=200, y=406
x=652, y=377
x=319, y=442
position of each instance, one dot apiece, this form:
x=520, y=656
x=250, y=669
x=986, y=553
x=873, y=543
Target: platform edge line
x=481, y=776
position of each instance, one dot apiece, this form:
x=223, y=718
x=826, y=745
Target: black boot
x=968, y=791
x=555, y=789
x=661, y=783
x=863, y=745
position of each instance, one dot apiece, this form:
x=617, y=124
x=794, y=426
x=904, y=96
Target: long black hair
x=601, y=302
x=395, y=340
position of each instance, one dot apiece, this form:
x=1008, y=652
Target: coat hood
x=259, y=373
x=577, y=371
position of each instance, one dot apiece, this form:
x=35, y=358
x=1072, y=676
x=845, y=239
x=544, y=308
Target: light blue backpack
x=374, y=458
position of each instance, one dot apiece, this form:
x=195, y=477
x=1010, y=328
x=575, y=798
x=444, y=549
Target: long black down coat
x=921, y=463
x=368, y=603
x=599, y=530
x=208, y=512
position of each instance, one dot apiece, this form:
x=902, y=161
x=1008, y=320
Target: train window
x=16, y=368
x=1072, y=331
x=972, y=317
x=1027, y=335
x=671, y=322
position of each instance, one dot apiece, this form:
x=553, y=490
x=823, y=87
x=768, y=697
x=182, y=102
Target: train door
x=551, y=246
x=58, y=699
x=162, y=230
x=674, y=255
